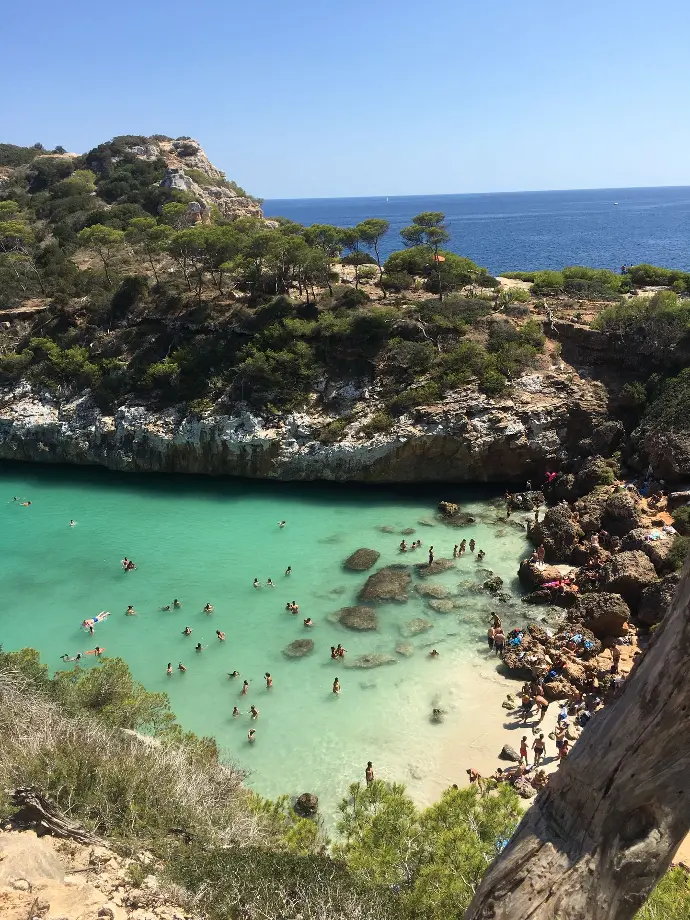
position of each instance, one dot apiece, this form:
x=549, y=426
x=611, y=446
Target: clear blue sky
x=302, y=98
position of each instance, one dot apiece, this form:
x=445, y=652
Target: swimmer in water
x=187, y=631
x=480, y=555
x=403, y=546
x=166, y=608
x=308, y=622
x=433, y=653
x=91, y=629
x=169, y=668
x=181, y=667
x=233, y=673
x=208, y=608
x=288, y=570
x=340, y=651
x=72, y=523
x=254, y=712
x=288, y=606
x=256, y=583
x=281, y=524
x=26, y=504
x=131, y=612
x=336, y=686
x=221, y=635
x=334, y=654
x=98, y=651
x=269, y=583
x=269, y=680
x=295, y=607
x=176, y=604
x=251, y=735
x=199, y=647
x=235, y=712
x=245, y=688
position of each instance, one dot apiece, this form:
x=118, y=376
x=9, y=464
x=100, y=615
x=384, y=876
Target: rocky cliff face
x=467, y=438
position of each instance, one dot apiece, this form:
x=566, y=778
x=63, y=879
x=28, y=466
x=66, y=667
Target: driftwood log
x=605, y=829
x=36, y=811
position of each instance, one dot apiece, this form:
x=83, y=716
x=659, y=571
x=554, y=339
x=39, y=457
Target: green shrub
x=678, y=553
x=670, y=900
x=645, y=275
x=347, y=298
x=333, y=431
x=548, y=282
x=519, y=276
x=161, y=375
x=425, y=395
x=634, y=395
x=395, y=282
x=368, y=273
x=380, y=423
x=681, y=520
x=670, y=404
x=11, y=155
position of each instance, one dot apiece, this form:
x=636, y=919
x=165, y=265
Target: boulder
x=359, y=617
x=524, y=788
x=533, y=576
x=509, y=753
x=628, y=574
x=361, y=560
x=559, y=533
x=407, y=531
x=621, y=514
x=374, y=660
x=447, y=509
x=416, y=626
x=526, y=501
x=424, y=569
x=560, y=689
x=656, y=599
x=389, y=584
x=540, y=596
x=656, y=550
x=307, y=805
x=605, y=614
x=493, y=584
x=437, y=591
x=593, y=472
x=299, y=648
x=590, y=510
x=404, y=649
x=442, y=606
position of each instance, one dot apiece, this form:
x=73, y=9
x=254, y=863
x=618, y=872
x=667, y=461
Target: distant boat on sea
x=615, y=202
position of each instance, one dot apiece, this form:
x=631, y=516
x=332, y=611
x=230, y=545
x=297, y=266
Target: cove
x=204, y=541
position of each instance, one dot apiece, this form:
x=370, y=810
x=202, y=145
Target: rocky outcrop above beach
x=468, y=437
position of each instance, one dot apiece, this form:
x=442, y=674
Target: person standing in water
x=131, y=612
x=336, y=686
x=169, y=668
x=245, y=688
x=431, y=554
x=254, y=712
x=251, y=735
x=369, y=774
x=221, y=635
x=186, y=631
x=176, y=604
x=288, y=571
x=181, y=667
x=256, y=583
x=281, y=524
x=472, y=545
x=235, y=712
x=269, y=680
x=208, y=608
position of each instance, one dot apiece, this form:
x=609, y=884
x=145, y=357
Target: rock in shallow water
x=442, y=606
x=416, y=626
x=307, y=805
x=437, y=591
x=358, y=617
x=362, y=559
x=375, y=660
x=389, y=584
x=405, y=649
x=299, y=648
x=435, y=568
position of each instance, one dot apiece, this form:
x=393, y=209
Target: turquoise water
x=205, y=541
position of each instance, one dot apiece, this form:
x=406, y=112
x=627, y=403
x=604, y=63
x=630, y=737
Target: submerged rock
x=493, y=585
x=362, y=559
x=374, y=660
x=386, y=528
x=416, y=626
x=424, y=569
x=358, y=618
x=404, y=649
x=437, y=591
x=389, y=584
x=407, y=531
x=299, y=648
x=442, y=606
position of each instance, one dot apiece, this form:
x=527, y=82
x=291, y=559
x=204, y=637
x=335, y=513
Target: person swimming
x=269, y=680
x=166, y=608
x=233, y=673
x=187, y=631
x=98, y=651
x=181, y=667
x=130, y=612
x=221, y=635
x=176, y=604
x=288, y=570
x=199, y=647
x=208, y=608
x=433, y=653
x=169, y=668
x=480, y=555
x=281, y=524
x=256, y=583
x=254, y=712
x=72, y=523
x=269, y=583
x=245, y=688
x=235, y=712
x=336, y=686
x=308, y=622
x=77, y=657
x=251, y=735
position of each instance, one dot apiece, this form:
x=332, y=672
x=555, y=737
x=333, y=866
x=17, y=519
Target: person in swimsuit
x=235, y=712
x=499, y=641
x=169, y=668
x=269, y=583
x=472, y=545
x=563, y=750
x=181, y=667
x=131, y=612
x=176, y=604
x=336, y=686
x=369, y=774
x=254, y=712
x=186, y=631
x=495, y=621
x=208, y=608
x=523, y=750
x=72, y=523
x=455, y=551
x=245, y=688
x=480, y=555
x=431, y=554
x=538, y=746
x=166, y=608
x=340, y=651
x=433, y=653
x=462, y=547
x=288, y=570
x=308, y=622
x=233, y=673
x=491, y=632
x=91, y=629
x=403, y=547
x=256, y=583
x=281, y=524
x=269, y=680
x=295, y=607
x=221, y=635
x=334, y=654
x=251, y=735
x=199, y=647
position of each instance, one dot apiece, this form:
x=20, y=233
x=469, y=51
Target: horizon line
x=546, y=191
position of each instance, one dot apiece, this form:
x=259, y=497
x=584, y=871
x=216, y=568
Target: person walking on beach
x=538, y=746
x=526, y=707
x=369, y=774
x=563, y=751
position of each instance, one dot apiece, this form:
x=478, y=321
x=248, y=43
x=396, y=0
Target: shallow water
x=205, y=541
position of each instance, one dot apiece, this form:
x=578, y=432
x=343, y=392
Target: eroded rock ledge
x=467, y=437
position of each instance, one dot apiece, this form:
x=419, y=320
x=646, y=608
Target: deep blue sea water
x=530, y=230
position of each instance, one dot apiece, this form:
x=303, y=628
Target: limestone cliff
x=469, y=437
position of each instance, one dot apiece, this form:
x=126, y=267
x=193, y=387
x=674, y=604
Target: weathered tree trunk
x=605, y=829
x=36, y=811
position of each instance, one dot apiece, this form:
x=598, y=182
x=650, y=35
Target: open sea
x=204, y=541
x=602, y=228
